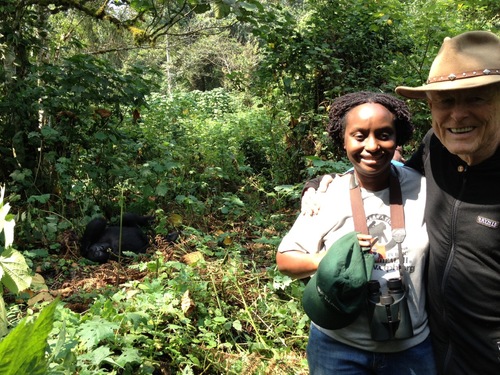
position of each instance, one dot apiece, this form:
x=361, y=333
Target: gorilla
x=100, y=242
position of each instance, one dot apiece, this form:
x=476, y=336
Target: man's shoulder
x=409, y=175
x=340, y=181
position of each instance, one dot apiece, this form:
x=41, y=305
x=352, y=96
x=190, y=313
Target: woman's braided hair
x=342, y=105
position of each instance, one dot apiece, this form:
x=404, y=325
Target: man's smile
x=461, y=130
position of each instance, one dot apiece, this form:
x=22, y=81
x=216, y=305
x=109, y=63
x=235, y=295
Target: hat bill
x=323, y=315
x=457, y=84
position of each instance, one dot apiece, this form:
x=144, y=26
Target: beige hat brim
x=419, y=92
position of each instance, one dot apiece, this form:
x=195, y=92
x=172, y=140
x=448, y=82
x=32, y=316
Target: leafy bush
x=196, y=318
x=14, y=272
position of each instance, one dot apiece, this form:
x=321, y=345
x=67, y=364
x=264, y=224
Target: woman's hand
x=366, y=240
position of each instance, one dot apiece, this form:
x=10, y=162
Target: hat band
x=472, y=73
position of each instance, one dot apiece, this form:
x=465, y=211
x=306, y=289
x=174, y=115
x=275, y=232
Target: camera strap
x=397, y=215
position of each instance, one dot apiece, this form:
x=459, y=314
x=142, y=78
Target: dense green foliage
x=196, y=318
x=14, y=272
x=208, y=115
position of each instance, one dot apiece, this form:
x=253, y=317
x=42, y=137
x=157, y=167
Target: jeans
x=327, y=356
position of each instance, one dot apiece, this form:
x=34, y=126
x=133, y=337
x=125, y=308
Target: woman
x=369, y=126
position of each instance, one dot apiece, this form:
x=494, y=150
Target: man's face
x=467, y=121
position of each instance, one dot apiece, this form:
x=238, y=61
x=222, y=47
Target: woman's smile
x=370, y=143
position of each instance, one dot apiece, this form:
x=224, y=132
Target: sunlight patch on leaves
x=97, y=356
x=129, y=355
x=95, y=330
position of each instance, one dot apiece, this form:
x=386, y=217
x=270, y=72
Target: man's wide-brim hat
x=468, y=60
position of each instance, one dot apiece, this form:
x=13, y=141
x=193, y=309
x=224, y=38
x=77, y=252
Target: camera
x=388, y=314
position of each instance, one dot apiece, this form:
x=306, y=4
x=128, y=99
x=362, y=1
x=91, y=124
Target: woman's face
x=370, y=140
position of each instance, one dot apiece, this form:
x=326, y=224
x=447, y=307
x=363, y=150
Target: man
x=460, y=156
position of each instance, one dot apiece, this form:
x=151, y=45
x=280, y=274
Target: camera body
x=389, y=317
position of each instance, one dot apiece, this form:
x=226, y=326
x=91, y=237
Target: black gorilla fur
x=100, y=242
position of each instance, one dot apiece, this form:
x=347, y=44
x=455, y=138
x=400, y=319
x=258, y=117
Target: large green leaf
x=14, y=272
x=221, y=9
x=23, y=350
x=94, y=331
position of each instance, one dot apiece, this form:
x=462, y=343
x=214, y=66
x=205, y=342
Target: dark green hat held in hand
x=337, y=293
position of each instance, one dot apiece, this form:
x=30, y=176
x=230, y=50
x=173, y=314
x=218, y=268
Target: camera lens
x=373, y=291
x=386, y=300
x=394, y=284
x=373, y=286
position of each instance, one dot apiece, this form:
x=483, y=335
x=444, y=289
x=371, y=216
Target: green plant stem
x=121, y=227
x=215, y=292
x=252, y=322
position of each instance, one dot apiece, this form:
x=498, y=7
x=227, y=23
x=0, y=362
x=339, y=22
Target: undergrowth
x=200, y=314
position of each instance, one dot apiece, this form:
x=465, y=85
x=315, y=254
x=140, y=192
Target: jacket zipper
x=449, y=261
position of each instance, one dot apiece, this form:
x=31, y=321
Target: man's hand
x=310, y=203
